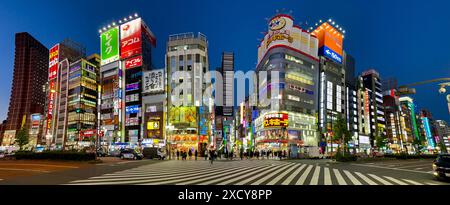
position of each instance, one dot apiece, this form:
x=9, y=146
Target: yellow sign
x=153, y=125
x=280, y=36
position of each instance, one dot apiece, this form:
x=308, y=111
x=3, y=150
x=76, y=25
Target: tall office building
x=82, y=102
x=351, y=102
x=27, y=95
x=225, y=112
x=410, y=122
x=288, y=120
x=189, y=122
x=442, y=130
x=371, y=112
x=333, y=90
x=61, y=55
x=126, y=52
x=428, y=129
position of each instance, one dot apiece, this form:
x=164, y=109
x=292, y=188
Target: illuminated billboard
x=131, y=38
x=283, y=33
x=183, y=116
x=109, y=46
x=50, y=104
x=330, y=42
x=53, y=62
x=133, y=62
x=276, y=120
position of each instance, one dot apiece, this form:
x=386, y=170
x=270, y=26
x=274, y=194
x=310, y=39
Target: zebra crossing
x=257, y=172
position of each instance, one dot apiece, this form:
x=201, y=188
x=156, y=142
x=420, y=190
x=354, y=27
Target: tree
x=381, y=141
x=443, y=148
x=22, y=138
x=341, y=133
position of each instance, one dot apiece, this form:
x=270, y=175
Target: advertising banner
x=50, y=104
x=131, y=38
x=133, y=62
x=330, y=42
x=153, y=81
x=131, y=87
x=275, y=120
x=109, y=46
x=283, y=33
x=53, y=62
x=132, y=109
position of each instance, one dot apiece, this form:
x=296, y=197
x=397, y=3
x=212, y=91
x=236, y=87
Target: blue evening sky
x=408, y=40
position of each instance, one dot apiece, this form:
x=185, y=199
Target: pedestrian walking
x=206, y=155
x=196, y=154
x=190, y=154
x=178, y=154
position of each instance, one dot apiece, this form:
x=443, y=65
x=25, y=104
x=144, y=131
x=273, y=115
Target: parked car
x=101, y=153
x=441, y=166
x=131, y=154
x=2, y=154
x=161, y=154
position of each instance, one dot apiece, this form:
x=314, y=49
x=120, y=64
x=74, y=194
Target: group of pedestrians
x=184, y=155
x=265, y=154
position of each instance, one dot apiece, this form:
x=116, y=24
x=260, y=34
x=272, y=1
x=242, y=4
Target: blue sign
x=132, y=109
x=35, y=117
x=325, y=51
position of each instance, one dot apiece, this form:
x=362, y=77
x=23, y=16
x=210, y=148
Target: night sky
x=408, y=40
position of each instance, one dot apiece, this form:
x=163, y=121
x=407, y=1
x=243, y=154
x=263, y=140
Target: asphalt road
x=246, y=172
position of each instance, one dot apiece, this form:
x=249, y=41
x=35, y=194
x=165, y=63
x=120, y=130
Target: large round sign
x=277, y=23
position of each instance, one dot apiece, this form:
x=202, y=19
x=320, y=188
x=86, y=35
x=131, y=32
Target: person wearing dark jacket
x=196, y=154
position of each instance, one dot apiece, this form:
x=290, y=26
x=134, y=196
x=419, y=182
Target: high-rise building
x=30, y=75
x=394, y=119
x=61, y=55
x=409, y=121
x=189, y=115
x=82, y=102
x=126, y=53
x=371, y=113
x=442, y=130
x=351, y=101
x=428, y=129
x=225, y=112
x=287, y=119
x=333, y=90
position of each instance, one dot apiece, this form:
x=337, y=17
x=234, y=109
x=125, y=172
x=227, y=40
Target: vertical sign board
x=53, y=62
x=109, y=46
x=131, y=38
x=153, y=81
x=330, y=42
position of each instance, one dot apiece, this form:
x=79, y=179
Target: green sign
x=109, y=46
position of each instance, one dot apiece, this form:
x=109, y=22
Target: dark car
x=441, y=166
x=131, y=154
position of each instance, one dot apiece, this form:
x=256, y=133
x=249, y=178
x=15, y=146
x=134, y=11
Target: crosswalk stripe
x=428, y=183
x=267, y=177
x=327, y=176
x=148, y=173
x=380, y=179
x=135, y=179
x=220, y=176
x=305, y=174
x=280, y=176
x=352, y=178
x=412, y=182
x=366, y=179
x=245, y=181
x=292, y=176
x=229, y=181
x=395, y=180
x=191, y=177
x=338, y=175
x=231, y=176
x=315, y=177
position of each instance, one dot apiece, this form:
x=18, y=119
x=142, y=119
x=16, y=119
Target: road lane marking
x=231, y=176
x=305, y=174
x=352, y=178
x=395, y=180
x=412, y=182
x=220, y=176
x=280, y=176
x=327, y=177
x=247, y=180
x=380, y=179
x=339, y=177
x=267, y=177
x=292, y=176
x=26, y=170
x=366, y=179
x=397, y=169
x=315, y=177
x=40, y=165
x=243, y=176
